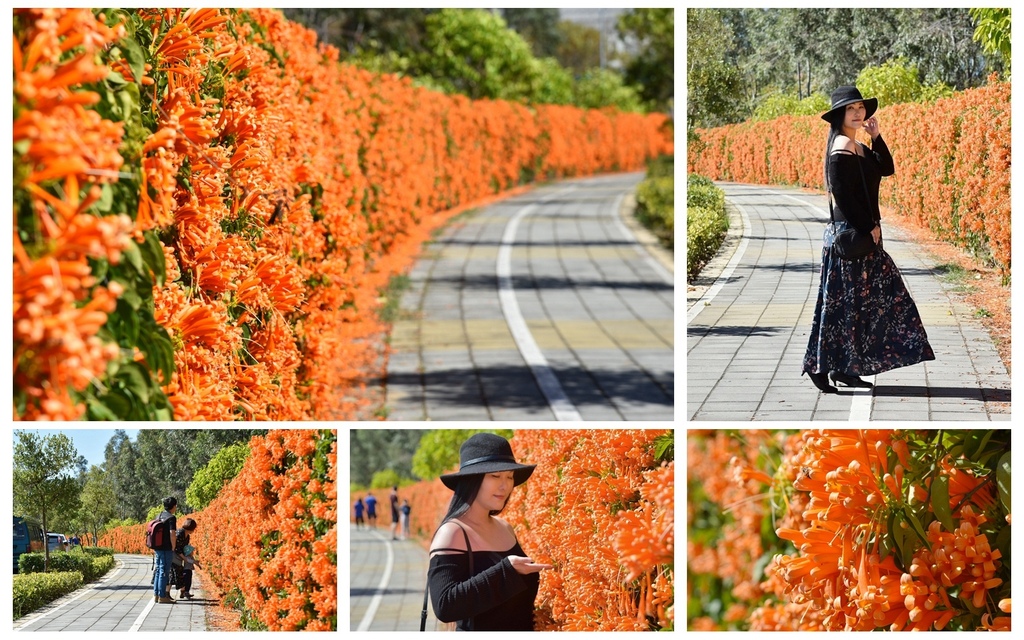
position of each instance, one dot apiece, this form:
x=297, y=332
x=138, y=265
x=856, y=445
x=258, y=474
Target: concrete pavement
x=747, y=332
x=386, y=582
x=121, y=601
x=540, y=307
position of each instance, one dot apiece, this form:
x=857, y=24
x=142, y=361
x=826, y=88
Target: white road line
x=723, y=277
x=562, y=407
x=860, y=404
x=142, y=616
x=371, y=611
x=42, y=615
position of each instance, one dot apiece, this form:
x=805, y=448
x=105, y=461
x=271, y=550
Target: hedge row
x=213, y=243
x=706, y=223
x=952, y=163
x=33, y=590
x=90, y=566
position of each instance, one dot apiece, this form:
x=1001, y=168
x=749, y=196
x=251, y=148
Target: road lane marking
x=371, y=611
x=723, y=277
x=561, y=406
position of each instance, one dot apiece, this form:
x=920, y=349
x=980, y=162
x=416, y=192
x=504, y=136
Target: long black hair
x=835, y=129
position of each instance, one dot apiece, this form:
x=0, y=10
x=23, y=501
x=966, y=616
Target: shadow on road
x=488, y=282
x=734, y=330
x=965, y=393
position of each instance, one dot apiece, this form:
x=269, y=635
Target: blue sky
x=89, y=442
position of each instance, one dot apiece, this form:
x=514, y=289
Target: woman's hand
x=524, y=565
x=871, y=126
x=876, y=234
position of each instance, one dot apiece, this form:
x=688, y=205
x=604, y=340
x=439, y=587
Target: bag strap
x=426, y=590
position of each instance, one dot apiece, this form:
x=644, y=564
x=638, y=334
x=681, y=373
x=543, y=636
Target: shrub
x=655, y=208
x=33, y=590
x=664, y=166
x=705, y=230
x=91, y=565
x=98, y=551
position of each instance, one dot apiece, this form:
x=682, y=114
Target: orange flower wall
x=272, y=532
x=601, y=510
x=952, y=163
x=279, y=188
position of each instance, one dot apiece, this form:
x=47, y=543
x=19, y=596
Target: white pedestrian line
x=561, y=406
x=723, y=278
x=371, y=611
x=34, y=618
x=142, y=616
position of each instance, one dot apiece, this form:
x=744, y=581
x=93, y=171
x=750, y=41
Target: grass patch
x=953, y=274
x=391, y=296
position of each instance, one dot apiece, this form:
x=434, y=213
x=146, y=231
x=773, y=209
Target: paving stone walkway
x=121, y=601
x=540, y=307
x=386, y=582
x=746, y=335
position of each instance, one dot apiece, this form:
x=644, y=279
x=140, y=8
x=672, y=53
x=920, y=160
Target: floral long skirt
x=865, y=321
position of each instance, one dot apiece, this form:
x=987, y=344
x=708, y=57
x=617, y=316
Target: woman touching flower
x=479, y=575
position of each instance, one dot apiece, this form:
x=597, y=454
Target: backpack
x=156, y=533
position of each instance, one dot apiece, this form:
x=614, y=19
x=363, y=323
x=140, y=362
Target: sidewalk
x=747, y=334
x=121, y=601
x=544, y=306
x=387, y=582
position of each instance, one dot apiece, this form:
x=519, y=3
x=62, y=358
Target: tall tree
x=121, y=462
x=652, y=68
x=713, y=87
x=992, y=32
x=98, y=502
x=372, y=450
x=44, y=481
x=359, y=31
x=579, y=47
x=539, y=27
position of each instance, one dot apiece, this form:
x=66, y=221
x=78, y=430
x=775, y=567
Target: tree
x=439, y=450
x=372, y=450
x=209, y=480
x=373, y=31
x=579, y=47
x=472, y=52
x=44, y=484
x=98, y=502
x=552, y=83
x=121, y=462
x=993, y=32
x=713, y=87
x=605, y=88
x=539, y=27
x=652, y=69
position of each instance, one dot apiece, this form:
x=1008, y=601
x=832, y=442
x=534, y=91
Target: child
x=190, y=562
x=405, y=519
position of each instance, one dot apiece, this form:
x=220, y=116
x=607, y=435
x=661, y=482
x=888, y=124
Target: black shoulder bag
x=852, y=243
x=426, y=590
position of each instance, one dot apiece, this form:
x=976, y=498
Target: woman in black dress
x=499, y=592
x=865, y=321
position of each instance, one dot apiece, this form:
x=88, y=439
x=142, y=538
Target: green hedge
x=655, y=208
x=98, y=551
x=706, y=223
x=90, y=566
x=33, y=590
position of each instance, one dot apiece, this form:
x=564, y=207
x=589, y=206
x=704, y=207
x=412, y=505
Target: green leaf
x=915, y=524
x=133, y=255
x=136, y=57
x=898, y=536
x=153, y=255
x=159, y=352
x=22, y=146
x=1003, y=480
x=940, y=502
x=106, y=199
x=135, y=380
x=99, y=411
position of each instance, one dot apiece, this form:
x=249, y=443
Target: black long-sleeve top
x=497, y=597
x=851, y=202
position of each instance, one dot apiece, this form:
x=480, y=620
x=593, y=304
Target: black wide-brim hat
x=847, y=95
x=487, y=453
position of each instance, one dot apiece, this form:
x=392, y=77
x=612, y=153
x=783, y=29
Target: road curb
x=646, y=239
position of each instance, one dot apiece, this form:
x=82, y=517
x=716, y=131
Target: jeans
x=164, y=557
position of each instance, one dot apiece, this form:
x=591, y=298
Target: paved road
x=121, y=601
x=540, y=307
x=386, y=582
x=746, y=337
